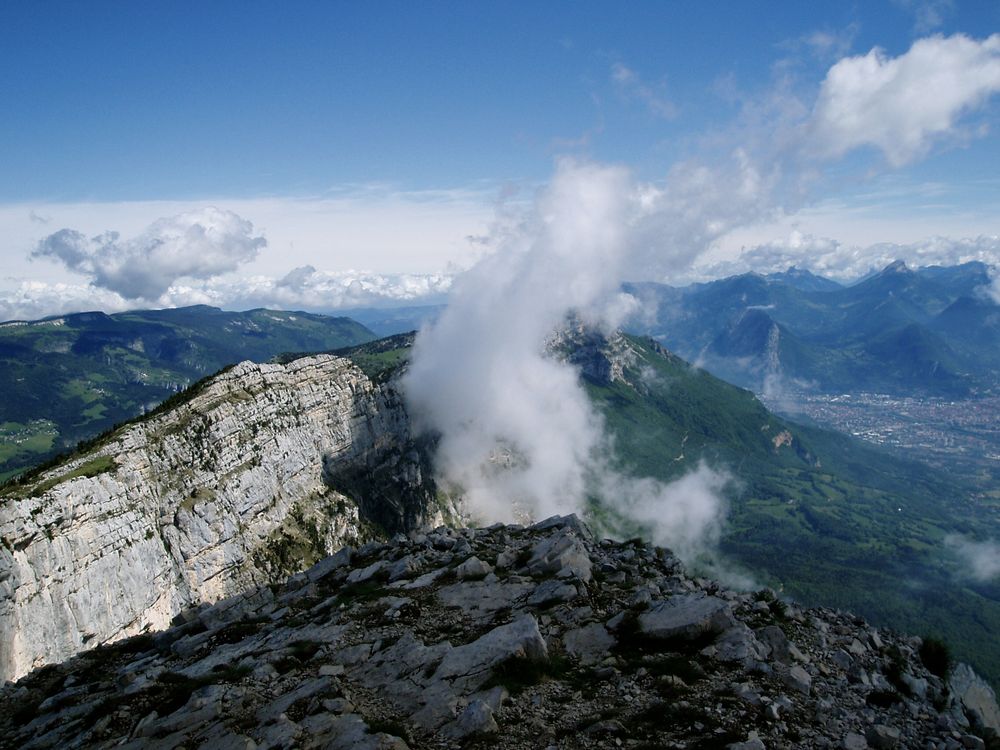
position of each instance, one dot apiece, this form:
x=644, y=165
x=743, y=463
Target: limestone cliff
x=231, y=490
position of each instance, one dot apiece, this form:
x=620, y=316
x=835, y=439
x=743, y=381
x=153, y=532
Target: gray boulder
x=977, y=699
x=571, y=522
x=590, y=644
x=476, y=719
x=883, y=737
x=552, y=592
x=562, y=555
x=472, y=663
x=473, y=569
x=688, y=616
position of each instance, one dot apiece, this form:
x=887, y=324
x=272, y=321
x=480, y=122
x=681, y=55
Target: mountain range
x=69, y=378
x=901, y=331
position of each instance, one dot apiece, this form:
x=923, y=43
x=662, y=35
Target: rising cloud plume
x=517, y=431
x=196, y=245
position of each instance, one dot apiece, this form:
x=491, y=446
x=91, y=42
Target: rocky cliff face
x=229, y=491
x=510, y=637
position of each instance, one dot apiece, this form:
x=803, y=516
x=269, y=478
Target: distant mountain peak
x=897, y=266
x=802, y=279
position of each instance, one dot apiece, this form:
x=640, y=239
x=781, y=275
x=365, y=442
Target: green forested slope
x=828, y=519
x=70, y=378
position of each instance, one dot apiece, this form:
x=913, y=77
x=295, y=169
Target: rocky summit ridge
x=511, y=637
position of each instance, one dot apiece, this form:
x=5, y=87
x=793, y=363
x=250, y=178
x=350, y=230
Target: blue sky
x=326, y=125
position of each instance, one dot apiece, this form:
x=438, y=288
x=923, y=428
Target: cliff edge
x=248, y=480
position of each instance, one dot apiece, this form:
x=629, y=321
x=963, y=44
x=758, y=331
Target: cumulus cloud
x=196, y=245
x=631, y=86
x=517, y=432
x=845, y=262
x=980, y=560
x=901, y=105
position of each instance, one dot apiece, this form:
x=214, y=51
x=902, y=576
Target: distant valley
x=69, y=378
x=907, y=359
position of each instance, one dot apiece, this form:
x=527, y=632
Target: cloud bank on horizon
x=189, y=259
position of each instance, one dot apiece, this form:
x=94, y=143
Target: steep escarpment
x=233, y=489
x=507, y=637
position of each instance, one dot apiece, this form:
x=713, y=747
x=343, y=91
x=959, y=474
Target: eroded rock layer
x=229, y=491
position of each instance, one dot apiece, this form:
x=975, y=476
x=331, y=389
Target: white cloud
x=631, y=85
x=980, y=560
x=686, y=515
x=197, y=245
x=379, y=228
x=480, y=376
x=845, y=262
x=310, y=289
x=518, y=433
x=303, y=288
x=901, y=105
x=692, y=209
x=32, y=300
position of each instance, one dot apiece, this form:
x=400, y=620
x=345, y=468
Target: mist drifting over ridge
x=518, y=435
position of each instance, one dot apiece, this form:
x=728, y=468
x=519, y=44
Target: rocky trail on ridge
x=510, y=637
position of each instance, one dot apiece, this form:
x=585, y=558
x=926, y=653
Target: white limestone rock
x=193, y=508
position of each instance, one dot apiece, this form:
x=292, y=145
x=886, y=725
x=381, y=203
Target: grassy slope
x=830, y=520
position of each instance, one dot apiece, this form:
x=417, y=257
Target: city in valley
x=949, y=433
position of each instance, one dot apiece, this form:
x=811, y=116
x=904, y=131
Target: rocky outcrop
x=601, y=358
x=506, y=637
x=229, y=491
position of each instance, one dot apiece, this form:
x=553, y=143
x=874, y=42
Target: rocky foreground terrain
x=512, y=637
